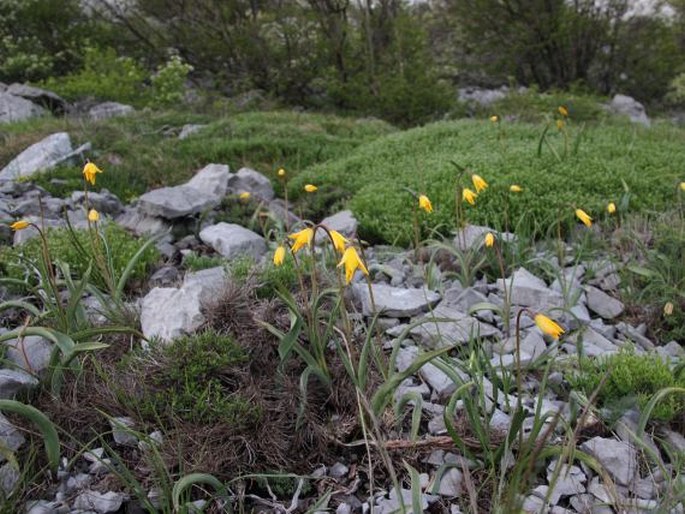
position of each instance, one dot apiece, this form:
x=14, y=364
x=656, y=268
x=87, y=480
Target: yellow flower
x=584, y=217
x=469, y=196
x=425, y=204
x=302, y=238
x=494, y=118
x=352, y=263
x=668, y=309
x=245, y=195
x=489, y=239
x=93, y=216
x=611, y=208
x=560, y=124
x=19, y=225
x=310, y=188
x=339, y=241
x=514, y=188
x=281, y=172
x=682, y=186
x=279, y=255
x=479, y=183
x=563, y=110
x=89, y=172
x=548, y=326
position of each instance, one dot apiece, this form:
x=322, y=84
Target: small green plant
x=168, y=82
x=632, y=379
x=195, y=262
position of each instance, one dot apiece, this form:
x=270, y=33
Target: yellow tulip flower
x=584, y=217
x=494, y=118
x=245, y=195
x=93, y=216
x=548, y=326
x=668, y=309
x=310, y=188
x=352, y=263
x=19, y=225
x=611, y=208
x=302, y=238
x=89, y=172
x=339, y=241
x=561, y=124
x=469, y=196
x=489, y=239
x=514, y=188
x=281, y=172
x=479, y=183
x=279, y=255
x=425, y=204
x=682, y=186
x=563, y=110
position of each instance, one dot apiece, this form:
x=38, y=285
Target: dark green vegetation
x=632, y=380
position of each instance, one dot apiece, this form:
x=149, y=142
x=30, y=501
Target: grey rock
x=104, y=201
x=99, y=502
x=451, y=483
x=602, y=304
x=674, y=441
x=673, y=349
x=463, y=299
x=343, y=222
x=212, y=181
x=533, y=343
x=618, y=458
x=47, y=99
x=166, y=276
x=42, y=507
x=122, y=431
x=168, y=313
x=108, y=110
x=49, y=207
x=392, y=503
x=458, y=329
x=635, y=335
x=533, y=504
x=174, y=202
x=407, y=387
x=628, y=106
x=14, y=108
x=30, y=353
x=473, y=236
x=440, y=382
x=338, y=470
x=9, y=478
x=577, y=316
x=527, y=290
x=588, y=336
x=277, y=207
x=189, y=129
x=570, y=480
x=251, y=181
x=583, y=503
x=394, y=302
x=142, y=224
x=13, y=381
x=481, y=96
x=10, y=436
x=42, y=155
x=231, y=240
x=600, y=491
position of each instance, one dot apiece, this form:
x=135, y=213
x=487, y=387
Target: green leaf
x=187, y=481
x=46, y=427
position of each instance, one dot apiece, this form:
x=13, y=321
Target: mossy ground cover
x=142, y=151
x=373, y=178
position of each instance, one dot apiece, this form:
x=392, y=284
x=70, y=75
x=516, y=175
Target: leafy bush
x=105, y=76
x=123, y=246
x=168, y=82
x=197, y=379
x=632, y=377
x=373, y=178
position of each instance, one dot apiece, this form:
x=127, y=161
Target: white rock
x=628, y=106
x=457, y=329
x=13, y=381
x=175, y=202
x=99, y=502
x=618, y=458
x=603, y=304
x=212, y=181
x=451, y=483
x=108, y=110
x=394, y=302
x=42, y=155
x=30, y=353
x=231, y=240
x=343, y=222
x=122, y=431
x=250, y=181
x=14, y=108
x=473, y=236
x=527, y=290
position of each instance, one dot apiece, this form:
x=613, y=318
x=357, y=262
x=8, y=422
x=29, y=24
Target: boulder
x=104, y=201
x=190, y=129
x=251, y=181
x=394, y=302
x=343, y=222
x=481, y=96
x=43, y=155
x=628, y=106
x=174, y=202
x=15, y=108
x=142, y=224
x=231, y=240
x=601, y=303
x=47, y=99
x=108, y=110
x=527, y=290
x=457, y=328
x=30, y=353
x=212, y=181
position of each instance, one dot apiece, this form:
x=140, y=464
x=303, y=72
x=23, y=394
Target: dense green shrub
x=632, y=378
x=373, y=179
x=167, y=84
x=16, y=262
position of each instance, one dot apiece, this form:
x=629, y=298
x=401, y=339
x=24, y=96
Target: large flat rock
x=231, y=240
x=174, y=202
x=42, y=155
x=394, y=302
x=527, y=290
x=446, y=326
x=15, y=108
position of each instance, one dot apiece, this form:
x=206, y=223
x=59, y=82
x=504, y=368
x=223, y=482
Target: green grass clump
x=16, y=262
x=194, y=262
x=198, y=381
x=530, y=106
x=141, y=152
x=373, y=178
x=632, y=379
x=268, y=278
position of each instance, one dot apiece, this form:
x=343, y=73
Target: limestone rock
x=212, y=181
x=618, y=457
x=14, y=108
x=141, y=224
x=459, y=328
x=527, y=290
x=108, y=110
x=231, y=240
x=10, y=436
x=394, y=302
x=174, y=202
x=42, y=155
x=30, y=353
x=13, y=381
x=251, y=181
x=102, y=503
x=473, y=236
x=601, y=303
x=628, y=106
x=51, y=101
x=343, y=222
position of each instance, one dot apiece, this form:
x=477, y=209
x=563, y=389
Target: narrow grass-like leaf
x=186, y=482
x=649, y=408
x=46, y=427
x=16, y=304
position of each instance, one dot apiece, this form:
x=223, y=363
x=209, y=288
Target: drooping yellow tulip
x=89, y=172
x=19, y=225
x=515, y=188
x=310, y=188
x=611, y=208
x=281, y=172
x=352, y=263
x=279, y=255
x=561, y=124
x=494, y=118
x=339, y=241
x=584, y=217
x=425, y=204
x=469, y=196
x=668, y=309
x=245, y=195
x=682, y=186
x=302, y=238
x=548, y=326
x=93, y=216
x=489, y=239
x=479, y=183
x=563, y=110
